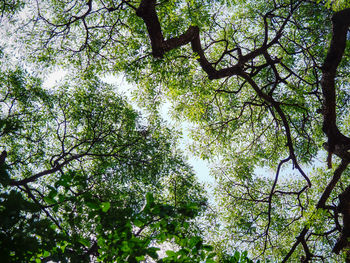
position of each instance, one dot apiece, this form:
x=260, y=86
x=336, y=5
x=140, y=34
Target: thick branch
x=3, y=156
x=344, y=208
x=336, y=176
x=46, y=172
x=147, y=12
x=337, y=142
x=341, y=22
x=300, y=238
x=208, y=67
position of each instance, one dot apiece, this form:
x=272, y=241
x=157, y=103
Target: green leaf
x=139, y=259
x=49, y=200
x=84, y=242
x=208, y=248
x=125, y=247
x=105, y=206
x=63, y=246
x=170, y=253
x=194, y=241
x=152, y=252
x=138, y=223
x=93, y=205
x=149, y=198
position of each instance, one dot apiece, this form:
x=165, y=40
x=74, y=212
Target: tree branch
x=341, y=23
x=336, y=176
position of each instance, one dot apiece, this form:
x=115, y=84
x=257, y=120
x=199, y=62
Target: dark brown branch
x=46, y=172
x=300, y=238
x=321, y=204
x=147, y=12
x=308, y=254
x=344, y=208
x=336, y=176
x=341, y=22
x=30, y=194
x=337, y=142
x=207, y=66
x=280, y=112
x=271, y=195
x=3, y=156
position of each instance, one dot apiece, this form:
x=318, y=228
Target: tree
x=263, y=87
x=83, y=176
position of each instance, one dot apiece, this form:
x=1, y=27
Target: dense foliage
x=265, y=85
x=83, y=176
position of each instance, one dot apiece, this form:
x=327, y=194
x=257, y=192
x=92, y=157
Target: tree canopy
x=265, y=85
